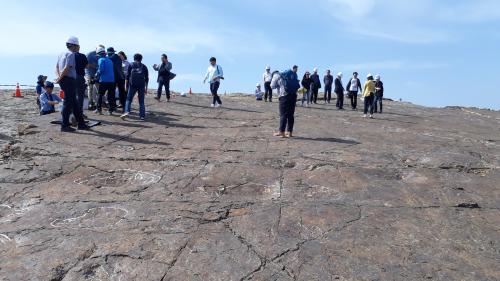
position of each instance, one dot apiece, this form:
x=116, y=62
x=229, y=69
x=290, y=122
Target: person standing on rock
x=81, y=63
x=368, y=94
x=379, y=93
x=214, y=75
x=328, y=80
x=163, y=77
x=287, y=85
x=137, y=80
x=66, y=78
x=353, y=87
x=315, y=86
x=339, y=91
x=119, y=76
x=106, y=77
x=306, y=83
x=125, y=66
x=90, y=73
x=268, y=91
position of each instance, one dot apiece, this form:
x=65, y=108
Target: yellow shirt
x=369, y=88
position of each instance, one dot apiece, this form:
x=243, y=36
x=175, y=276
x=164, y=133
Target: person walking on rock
x=328, y=80
x=339, y=91
x=106, y=77
x=137, y=80
x=379, y=93
x=306, y=83
x=163, y=77
x=119, y=76
x=315, y=86
x=286, y=84
x=353, y=87
x=214, y=75
x=66, y=78
x=368, y=94
x=268, y=91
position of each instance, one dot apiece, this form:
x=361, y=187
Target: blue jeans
x=377, y=100
x=306, y=97
x=130, y=96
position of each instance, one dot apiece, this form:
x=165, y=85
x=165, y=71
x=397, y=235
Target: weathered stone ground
x=196, y=193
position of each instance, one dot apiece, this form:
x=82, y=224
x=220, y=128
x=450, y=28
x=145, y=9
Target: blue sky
x=429, y=52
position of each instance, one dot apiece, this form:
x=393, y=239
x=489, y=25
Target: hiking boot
x=67, y=129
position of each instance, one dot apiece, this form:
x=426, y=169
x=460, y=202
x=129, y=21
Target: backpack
x=137, y=75
x=290, y=82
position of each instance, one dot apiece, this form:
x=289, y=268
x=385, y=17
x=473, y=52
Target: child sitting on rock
x=258, y=92
x=48, y=100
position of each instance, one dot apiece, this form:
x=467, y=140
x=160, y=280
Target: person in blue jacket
x=106, y=77
x=48, y=100
x=287, y=85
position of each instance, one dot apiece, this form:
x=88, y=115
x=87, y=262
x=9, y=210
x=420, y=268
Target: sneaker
x=110, y=113
x=218, y=105
x=143, y=118
x=85, y=116
x=157, y=98
x=371, y=116
x=168, y=100
x=212, y=105
x=364, y=115
x=97, y=111
x=67, y=129
x=279, y=134
x=83, y=128
x=124, y=115
x=270, y=100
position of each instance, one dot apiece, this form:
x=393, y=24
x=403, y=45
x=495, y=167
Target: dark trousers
x=314, y=94
x=122, y=94
x=81, y=87
x=214, y=87
x=354, y=99
x=377, y=99
x=70, y=104
x=368, y=104
x=340, y=100
x=109, y=88
x=163, y=83
x=268, y=91
x=287, y=112
x=328, y=94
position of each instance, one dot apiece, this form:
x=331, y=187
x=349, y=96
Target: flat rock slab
x=200, y=193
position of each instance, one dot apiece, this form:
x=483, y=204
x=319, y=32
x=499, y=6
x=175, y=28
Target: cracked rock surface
x=203, y=194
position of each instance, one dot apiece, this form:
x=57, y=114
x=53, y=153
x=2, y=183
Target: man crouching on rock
x=48, y=100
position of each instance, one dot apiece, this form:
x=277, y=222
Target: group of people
x=101, y=73
x=288, y=87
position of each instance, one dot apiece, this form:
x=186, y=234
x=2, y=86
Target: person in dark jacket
x=136, y=82
x=339, y=91
x=163, y=77
x=119, y=76
x=40, y=84
x=306, y=83
x=353, y=87
x=315, y=86
x=379, y=93
x=328, y=80
x=81, y=63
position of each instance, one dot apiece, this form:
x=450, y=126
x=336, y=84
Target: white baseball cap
x=73, y=40
x=268, y=68
x=100, y=50
x=369, y=75
x=377, y=77
x=340, y=74
x=258, y=85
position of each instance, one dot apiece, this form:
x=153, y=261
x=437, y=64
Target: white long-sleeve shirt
x=267, y=76
x=214, y=73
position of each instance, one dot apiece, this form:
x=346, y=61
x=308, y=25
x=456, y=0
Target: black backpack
x=137, y=75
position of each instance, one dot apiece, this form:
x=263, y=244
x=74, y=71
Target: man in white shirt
x=267, y=77
x=214, y=75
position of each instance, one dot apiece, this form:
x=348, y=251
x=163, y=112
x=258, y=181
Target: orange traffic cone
x=61, y=93
x=18, y=92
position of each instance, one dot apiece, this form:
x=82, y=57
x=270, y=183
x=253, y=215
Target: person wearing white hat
x=268, y=91
x=368, y=93
x=339, y=91
x=379, y=93
x=66, y=78
x=258, y=92
x=315, y=86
